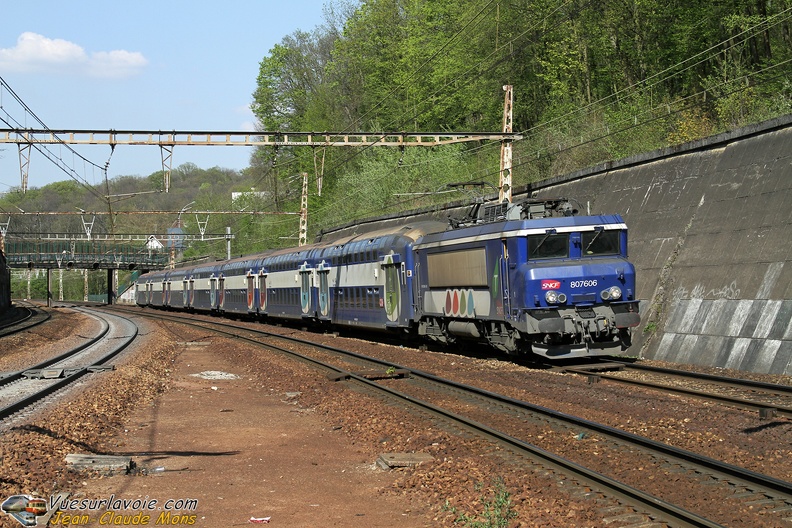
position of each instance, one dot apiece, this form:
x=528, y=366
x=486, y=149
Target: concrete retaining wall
x=710, y=228
x=710, y=235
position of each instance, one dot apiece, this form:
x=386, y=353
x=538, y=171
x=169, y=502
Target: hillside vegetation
x=593, y=81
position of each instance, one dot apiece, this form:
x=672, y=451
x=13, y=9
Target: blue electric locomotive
x=529, y=278
x=525, y=278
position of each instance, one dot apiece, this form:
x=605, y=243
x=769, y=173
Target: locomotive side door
x=504, y=273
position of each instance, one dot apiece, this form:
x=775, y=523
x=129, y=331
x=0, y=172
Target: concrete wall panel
x=782, y=364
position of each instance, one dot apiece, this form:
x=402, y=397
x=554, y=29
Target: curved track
x=728, y=480
x=23, y=317
x=24, y=388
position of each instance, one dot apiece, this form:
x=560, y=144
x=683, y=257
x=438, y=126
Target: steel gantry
x=21, y=249
x=25, y=137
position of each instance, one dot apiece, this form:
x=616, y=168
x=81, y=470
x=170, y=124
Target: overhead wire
x=491, y=60
x=56, y=160
x=480, y=65
x=426, y=62
x=684, y=103
x=476, y=18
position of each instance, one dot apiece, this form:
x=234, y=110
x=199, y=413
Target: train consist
x=525, y=278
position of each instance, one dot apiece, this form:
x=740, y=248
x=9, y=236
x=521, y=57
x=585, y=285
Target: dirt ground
x=270, y=438
x=280, y=461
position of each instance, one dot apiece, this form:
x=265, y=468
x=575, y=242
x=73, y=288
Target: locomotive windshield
x=600, y=242
x=549, y=245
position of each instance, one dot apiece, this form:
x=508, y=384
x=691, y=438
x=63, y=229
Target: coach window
x=600, y=242
x=548, y=245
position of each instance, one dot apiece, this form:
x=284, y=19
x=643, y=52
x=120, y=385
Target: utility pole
x=505, y=184
x=304, y=211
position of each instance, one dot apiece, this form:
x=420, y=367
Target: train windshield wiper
x=544, y=239
x=599, y=231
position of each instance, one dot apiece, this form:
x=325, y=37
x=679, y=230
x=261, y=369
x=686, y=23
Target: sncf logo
x=551, y=284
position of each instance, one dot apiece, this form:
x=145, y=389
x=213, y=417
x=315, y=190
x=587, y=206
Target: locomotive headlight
x=554, y=297
x=611, y=294
x=561, y=298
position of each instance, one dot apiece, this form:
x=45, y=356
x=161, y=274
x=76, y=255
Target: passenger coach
x=524, y=278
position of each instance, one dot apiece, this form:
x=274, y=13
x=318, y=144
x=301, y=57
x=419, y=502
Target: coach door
x=191, y=297
x=323, y=272
x=305, y=287
x=392, y=271
x=185, y=292
x=221, y=291
x=213, y=292
x=251, y=291
x=262, y=286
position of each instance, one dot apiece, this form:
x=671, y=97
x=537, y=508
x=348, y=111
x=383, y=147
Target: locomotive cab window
x=600, y=242
x=548, y=245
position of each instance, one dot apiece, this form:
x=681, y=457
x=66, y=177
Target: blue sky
x=142, y=65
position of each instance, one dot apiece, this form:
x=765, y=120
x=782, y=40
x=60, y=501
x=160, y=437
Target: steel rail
x=19, y=316
x=732, y=471
x=723, y=380
x=619, y=490
x=7, y=329
x=720, y=398
x=21, y=404
x=60, y=357
x=652, y=504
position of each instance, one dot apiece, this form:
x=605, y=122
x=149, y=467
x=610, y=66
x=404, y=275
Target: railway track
x=25, y=388
x=503, y=420
x=767, y=399
x=24, y=316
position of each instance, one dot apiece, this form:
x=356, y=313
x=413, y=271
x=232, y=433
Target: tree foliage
x=593, y=81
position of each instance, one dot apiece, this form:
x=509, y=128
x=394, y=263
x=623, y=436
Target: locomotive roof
x=524, y=227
